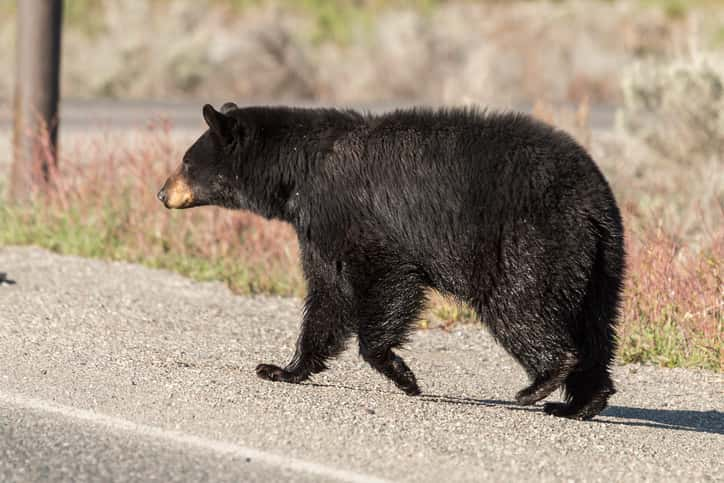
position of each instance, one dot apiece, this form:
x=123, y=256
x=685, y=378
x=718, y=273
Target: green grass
x=666, y=345
x=104, y=238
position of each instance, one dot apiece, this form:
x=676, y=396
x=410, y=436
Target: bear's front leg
x=325, y=329
x=393, y=298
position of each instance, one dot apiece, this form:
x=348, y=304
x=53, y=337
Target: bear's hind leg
x=547, y=355
x=589, y=386
x=546, y=383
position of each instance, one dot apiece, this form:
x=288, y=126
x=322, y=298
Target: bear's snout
x=176, y=193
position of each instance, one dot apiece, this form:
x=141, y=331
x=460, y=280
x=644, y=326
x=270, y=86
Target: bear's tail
x=601, y=305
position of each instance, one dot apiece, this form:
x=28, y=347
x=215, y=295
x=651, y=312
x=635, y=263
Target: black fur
x=499, y=210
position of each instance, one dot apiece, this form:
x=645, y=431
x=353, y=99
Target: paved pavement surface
x=114, y=372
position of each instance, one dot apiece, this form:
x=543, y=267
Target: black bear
x=499, y=210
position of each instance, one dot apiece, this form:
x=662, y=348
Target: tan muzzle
x=176, y=192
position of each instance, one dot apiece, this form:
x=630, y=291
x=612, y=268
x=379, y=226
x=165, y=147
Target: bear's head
x=205, y=177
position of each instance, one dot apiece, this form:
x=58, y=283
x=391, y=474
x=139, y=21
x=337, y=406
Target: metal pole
x=36, y=95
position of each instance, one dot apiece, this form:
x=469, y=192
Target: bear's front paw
x=270, y=372
x=527, y=396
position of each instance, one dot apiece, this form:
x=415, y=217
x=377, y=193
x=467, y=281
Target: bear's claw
x=271, y=372
x=412, y=390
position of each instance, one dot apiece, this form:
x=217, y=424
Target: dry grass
x=674, y=307
x=102, y=204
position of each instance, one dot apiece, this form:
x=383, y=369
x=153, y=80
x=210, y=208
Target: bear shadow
x=676, y=419
x=671, y=419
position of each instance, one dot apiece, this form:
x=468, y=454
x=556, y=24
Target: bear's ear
x=228, y=107
x=220, y=124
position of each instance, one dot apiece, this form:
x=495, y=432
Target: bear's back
x=446, y=187
x=429, y=166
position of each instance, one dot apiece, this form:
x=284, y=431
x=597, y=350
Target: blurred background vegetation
x=490, y=51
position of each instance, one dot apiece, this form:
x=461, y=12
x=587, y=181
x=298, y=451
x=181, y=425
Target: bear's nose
x=162, y=195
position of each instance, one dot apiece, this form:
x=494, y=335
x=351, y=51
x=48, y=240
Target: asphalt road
x=79, y=114
x=114, y=372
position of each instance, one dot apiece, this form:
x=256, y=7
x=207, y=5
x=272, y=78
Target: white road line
x=178, y=437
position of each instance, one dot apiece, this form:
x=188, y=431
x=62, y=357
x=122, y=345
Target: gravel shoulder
x=173, y=360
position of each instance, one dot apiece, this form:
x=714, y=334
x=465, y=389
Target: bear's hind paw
x=572, y=411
